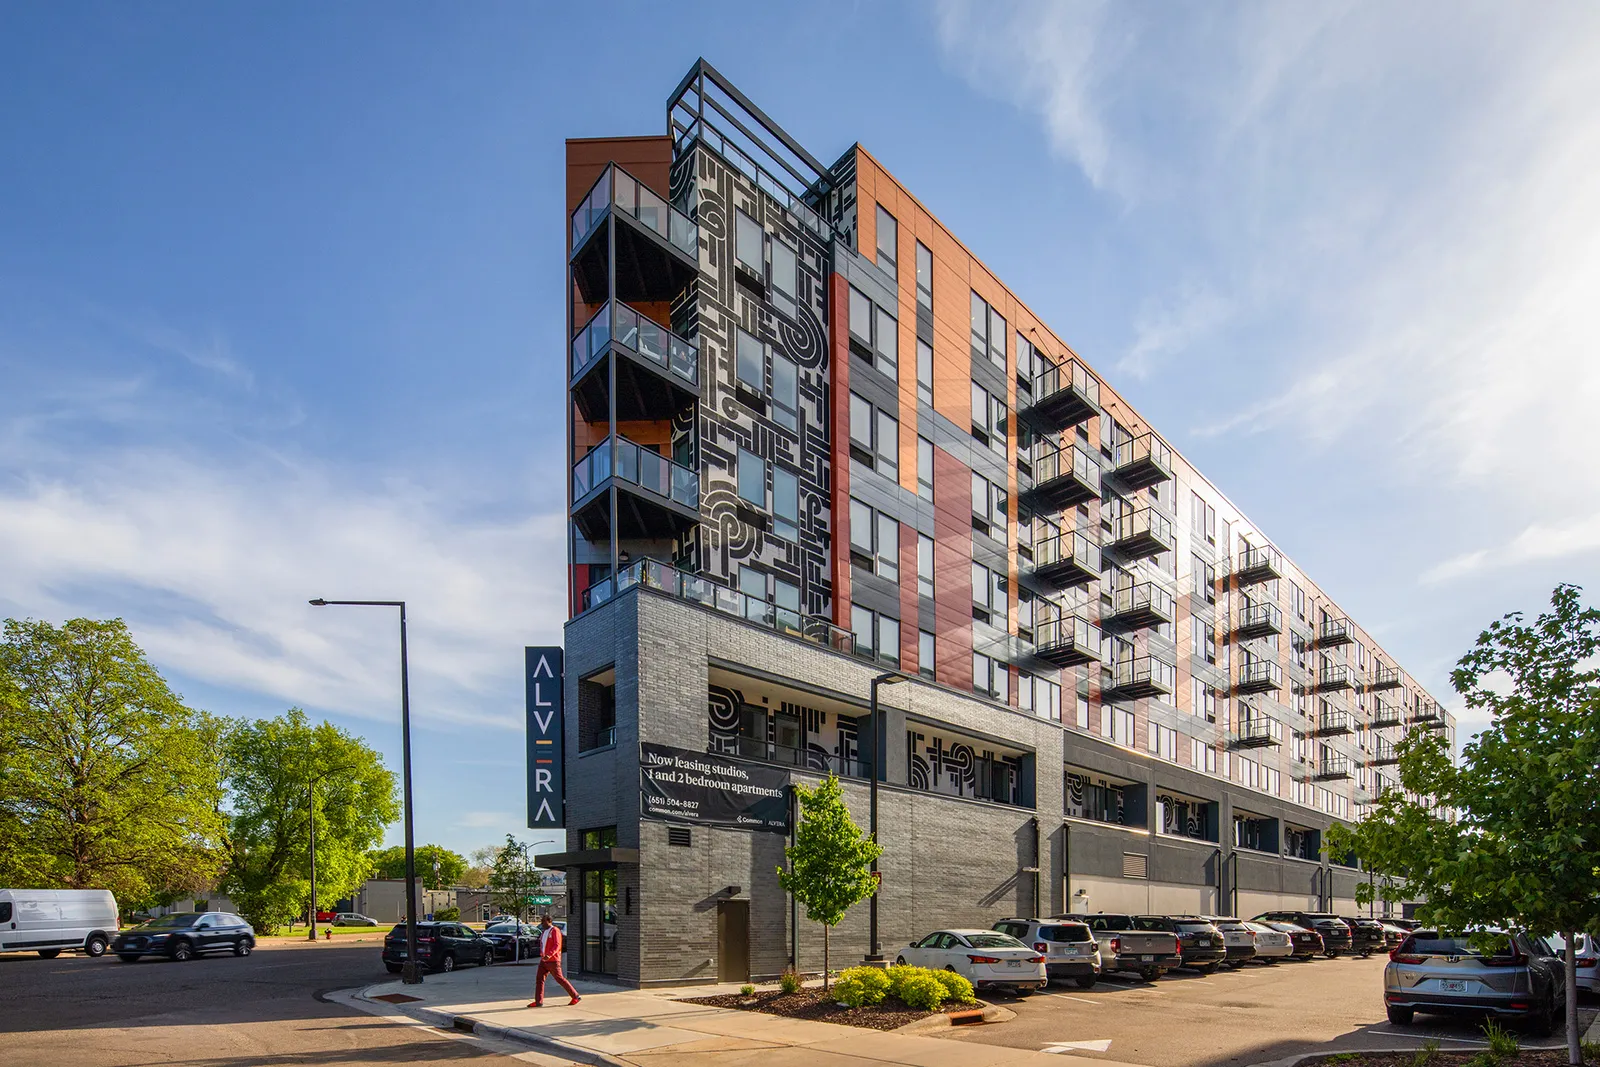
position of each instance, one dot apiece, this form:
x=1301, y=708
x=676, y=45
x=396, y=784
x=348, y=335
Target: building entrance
x=733, y=941
x=597, y=910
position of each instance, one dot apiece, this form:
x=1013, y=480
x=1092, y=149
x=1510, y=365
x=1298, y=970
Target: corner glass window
x=785, y=278
x=888, y=240
x=748, y=241
x=860, y=316
x=785, y=392
x=786, y=503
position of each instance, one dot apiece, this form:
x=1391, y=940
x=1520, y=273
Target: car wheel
x=1086, y=981
x=448, y=964
x=392, y=968
x=1150, y=975
x=488, y=957
x=1543, y=1024
x=49, y=953
x=95, y=946
x=1401, y=1016
x=1332, y=953
x=899, y=961
x=243, y=946
x=128, y=957
x=1210, y=968
x=182, y=951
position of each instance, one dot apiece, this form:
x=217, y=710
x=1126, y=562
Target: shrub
x=922, y=990
x=789, y=981
x=861, y=985
x=1427, y=1054
x=1503, y=1044
x=897, y=976
x=448, y=915
x=1590, y=1050
x=747, y=990
x=955, y=986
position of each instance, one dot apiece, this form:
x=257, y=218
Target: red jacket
x=550, y=944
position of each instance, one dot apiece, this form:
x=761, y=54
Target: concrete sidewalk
x=650, y=1028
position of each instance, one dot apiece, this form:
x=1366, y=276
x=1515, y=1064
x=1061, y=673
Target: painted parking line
x=1080, y=1000
x=1058, y=1047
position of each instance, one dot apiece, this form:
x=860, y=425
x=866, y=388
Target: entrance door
x=598, y=907
x=733, y=941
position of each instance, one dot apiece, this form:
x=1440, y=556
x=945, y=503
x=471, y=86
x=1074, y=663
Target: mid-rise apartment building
x=814, y=441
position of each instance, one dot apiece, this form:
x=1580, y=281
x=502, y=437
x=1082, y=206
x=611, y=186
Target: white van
x=49, y=920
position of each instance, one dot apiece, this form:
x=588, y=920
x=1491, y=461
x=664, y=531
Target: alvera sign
x=546, y=792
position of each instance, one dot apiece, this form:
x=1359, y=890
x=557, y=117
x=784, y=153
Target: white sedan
x=984, y=957
x=1271, y=945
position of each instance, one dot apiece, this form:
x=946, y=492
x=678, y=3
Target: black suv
x=1335, y=931
x=1366, y=935
x=184, y=935
x=1200, y=943
x=441, y=946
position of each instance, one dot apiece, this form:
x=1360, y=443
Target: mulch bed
x=1525, y=1058
x=818, y=1006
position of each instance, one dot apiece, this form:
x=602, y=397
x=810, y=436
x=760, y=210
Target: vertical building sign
x=546, y=790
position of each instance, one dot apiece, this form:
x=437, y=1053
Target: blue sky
x=280, y=302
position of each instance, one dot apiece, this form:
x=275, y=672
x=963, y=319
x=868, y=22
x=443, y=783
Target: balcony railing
x=653, y=574
x=1385, y=678
x=1143, y=461
x=804, y=758
x=1064, y=560
x=633, y=331
x=1333, y=767
x=618, y=457
x=1330, y=723
x=1386, y=714
x=1141, y=605
x=1259, y=620
x=1335, y=632
x=1063, y=477
x=1259, y=676
x=1143, y=532
x=619, y=189
x=1428, y=712
x=1384, y=754
x=1257, y=731
x=1335, y=677
x=1142, y=676
x=1259, y=565
x=1066, y=395
x=1067, y=641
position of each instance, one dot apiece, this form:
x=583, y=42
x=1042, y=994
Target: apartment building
x=815, y=442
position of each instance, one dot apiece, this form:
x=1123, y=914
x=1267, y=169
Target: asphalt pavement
x=263, y=1010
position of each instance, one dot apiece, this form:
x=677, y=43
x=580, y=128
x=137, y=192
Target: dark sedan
x=1304, y=944
x=441, y=946
x=1366, y=935
x=185, y=935
x=1200, y=943
x=513, y=940
x=1334, y=930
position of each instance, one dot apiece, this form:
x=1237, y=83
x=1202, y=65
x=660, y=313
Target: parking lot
x=1250, y=1016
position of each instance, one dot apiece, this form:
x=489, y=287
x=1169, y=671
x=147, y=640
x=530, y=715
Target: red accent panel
x=839, y=345
x=952, y=569
x=580, y=584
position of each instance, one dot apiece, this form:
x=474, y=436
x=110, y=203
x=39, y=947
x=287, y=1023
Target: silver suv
x=1443, y=974
x=1068, y=947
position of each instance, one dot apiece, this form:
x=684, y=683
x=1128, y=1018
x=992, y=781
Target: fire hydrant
x=327, y=935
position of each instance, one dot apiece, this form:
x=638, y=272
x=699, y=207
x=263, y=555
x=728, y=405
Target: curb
x=467, y=1024
x=992, y=1013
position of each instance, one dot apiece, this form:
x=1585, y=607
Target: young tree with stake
x=830, y=862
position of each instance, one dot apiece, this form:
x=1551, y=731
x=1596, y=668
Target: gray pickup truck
x=1126, y=948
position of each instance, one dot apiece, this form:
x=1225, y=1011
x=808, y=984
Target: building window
x=988, y=419
x=888, y=241
x=785, y=278
x=989, y=677
x=874, y=334
x=1088, y=796
x=1116, y=724
x=752, y=474
x=874, y=541
x=1204, y=519
x=925, y=654
x=753, y=584
x=988, y=333
x=1164, y=742
x=1205, y=580
x=1299, y=597
x=785, y=503
x=749, y=244
x=925, y=468
x=1202, y=756
x=887, y=444
x=1040, y=696
x=877, y=636
x=924, y=371
x=1081, y=712
x=1205, y=640
x=988, y=508
x=750, y=366
x=874, y=438
x=924, y=276
x=597, y=710
x=1205, y=700
x=989, y=596
x=861, y=317
x=786, y=595
x=924, y=565
x=785, y=392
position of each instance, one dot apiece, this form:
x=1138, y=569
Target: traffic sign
x=540, y=900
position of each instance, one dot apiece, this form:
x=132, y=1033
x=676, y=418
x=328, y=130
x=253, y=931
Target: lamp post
x=411, y=971
x=887, y=678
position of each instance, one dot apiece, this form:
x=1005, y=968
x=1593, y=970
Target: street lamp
x=887, y=678
x=411, y=971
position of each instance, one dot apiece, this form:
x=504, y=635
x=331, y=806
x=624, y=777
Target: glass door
x=599, y=911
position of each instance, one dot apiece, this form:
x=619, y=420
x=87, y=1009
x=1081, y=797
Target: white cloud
x=1537, y=543
x=1168, y=327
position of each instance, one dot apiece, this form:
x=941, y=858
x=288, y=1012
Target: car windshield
x=993, y=941
x=1194, y=928
x=500, y=928
x=1233, y=927
x=1151, y=924
x=1066, y=932
x=170, y=922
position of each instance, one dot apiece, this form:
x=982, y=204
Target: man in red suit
x=550, y=945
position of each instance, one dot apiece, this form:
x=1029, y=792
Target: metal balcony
x=1332, y=679
x=1259, y=620
x=1143, y=533
x=1335, y=632
x=1066, y=395
x=1062, y=561
x=1385, y=678
x=1386, y=714
x=656, y=498
x=1139, y=607
x=1260, y=676
x=1428, y=712
x=1142, y=676
x=1258, y=731
x=1383, y=755
x=1258, y=565
x=658, y=246
x=658, y=372
x=1067, y=641
x=1143, y=462
x=1062, y=478
x=1332, y=724
x=1333, y=768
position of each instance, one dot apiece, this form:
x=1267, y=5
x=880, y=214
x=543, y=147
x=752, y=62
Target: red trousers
x=553, y=969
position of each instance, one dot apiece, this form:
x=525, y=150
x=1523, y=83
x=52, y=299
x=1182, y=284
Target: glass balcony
x=1257, y=731
x=1141, y=676
x=1140, y=534
x=1332, y=768
x=1336, y=677
x=1258, y=565
x=1259, y=676
x=1063, y=561
x=1384, y=754
x=659, y=497
x=1067, y=641
x=1332, y=723
x=1143, y=462
x=1066, y=395
x=1385, y=678
x=658, y=246
x=1062, y=477
x=1334, y=632
x=662, y=359
x=1259, y=620
x=1139, y=606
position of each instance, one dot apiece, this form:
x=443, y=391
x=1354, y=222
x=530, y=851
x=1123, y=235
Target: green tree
x=479, y=863
x=391, y=863
x=107, y=780
x=276, y=769
x=1510, y=836
x=830, y=862
x=512, y=878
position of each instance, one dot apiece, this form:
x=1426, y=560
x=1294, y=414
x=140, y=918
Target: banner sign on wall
x=546, y=789
x=701, y=787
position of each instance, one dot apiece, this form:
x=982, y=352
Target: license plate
x=1147, y=959
x=1204, y=942
x=1015, y=965
x=1453, y=987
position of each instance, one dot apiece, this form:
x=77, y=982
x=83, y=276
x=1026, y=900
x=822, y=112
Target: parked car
x=441, y=946
x=351, y=918
x=1237, y=939
x=326, y=916
x=1307, y=943
x=1200, y=944
x=1272, y=945
x=513, y=940
x=986, y=958
x=48, y=921
x=1127, y=949
x=1068, y=947
x=1407, y=925
x=1335, y=933
x=185, y=935
x=1443, y=974
x=1366, y=935
x=1392, y=934
x=1588, y=960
